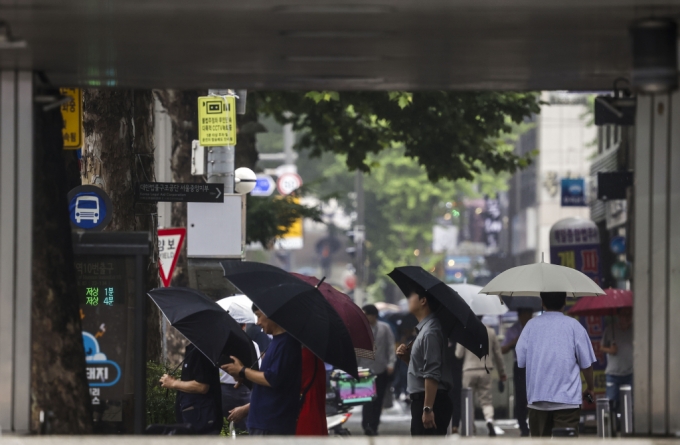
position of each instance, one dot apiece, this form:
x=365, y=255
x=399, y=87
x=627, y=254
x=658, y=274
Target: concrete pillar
x=16, y=225
x=162, y=133
x=656, y=267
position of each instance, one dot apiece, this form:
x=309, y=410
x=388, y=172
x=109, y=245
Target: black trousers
x=370, y=415
x=456, y=391
x=521, y=410
x=442, y=414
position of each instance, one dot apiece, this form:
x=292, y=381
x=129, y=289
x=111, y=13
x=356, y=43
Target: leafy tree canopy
x=453, y=135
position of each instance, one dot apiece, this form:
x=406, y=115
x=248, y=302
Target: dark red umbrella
x=354, y=318
x=606, y=304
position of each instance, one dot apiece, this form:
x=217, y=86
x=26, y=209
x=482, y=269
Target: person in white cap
x=234, y=396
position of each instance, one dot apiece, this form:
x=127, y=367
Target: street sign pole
x=221, y=158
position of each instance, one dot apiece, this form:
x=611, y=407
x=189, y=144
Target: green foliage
x=453, y=135
x=270, y=217
x=160, y=402
x=401, y=202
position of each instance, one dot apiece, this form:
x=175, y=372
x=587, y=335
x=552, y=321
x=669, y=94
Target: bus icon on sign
x=214, y=107
x=87, y=208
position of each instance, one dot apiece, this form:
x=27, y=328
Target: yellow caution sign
x=295, y=230
x=216, y=121
x=72, y=113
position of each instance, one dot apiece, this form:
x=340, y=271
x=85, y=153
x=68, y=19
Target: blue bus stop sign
x=89, y=208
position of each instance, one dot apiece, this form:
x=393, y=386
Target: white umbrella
x=480, y=304
x=240, y=308
x=466, y=291
x=531, y=280
x=488, y=305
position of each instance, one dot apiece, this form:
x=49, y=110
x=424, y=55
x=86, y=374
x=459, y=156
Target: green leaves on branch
x=454, y=135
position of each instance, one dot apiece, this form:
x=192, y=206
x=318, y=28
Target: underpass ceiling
x=316, y=44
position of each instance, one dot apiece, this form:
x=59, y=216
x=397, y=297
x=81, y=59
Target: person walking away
x=429, y=370
x=198, y=401
x=275, y=398
x=476, y=376
x=382, y=367
x=617, y=343
x=555, y=349
x=519, y=375
x=234, y=395
x=312, y=420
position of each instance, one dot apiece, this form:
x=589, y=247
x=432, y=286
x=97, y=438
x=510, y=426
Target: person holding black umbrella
x=429, y=370
x=199, y=399
x=275, y=398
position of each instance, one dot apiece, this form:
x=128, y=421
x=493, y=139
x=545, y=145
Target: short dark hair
x=370, y=309
x=432, y=302
x=255, y=308
x=554, y=301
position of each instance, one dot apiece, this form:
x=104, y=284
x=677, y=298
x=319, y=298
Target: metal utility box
x=111, y=279
x=217, y=230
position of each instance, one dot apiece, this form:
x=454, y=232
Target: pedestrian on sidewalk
x=477, y=377
x=234, y=395
x=617, y=343
x=519, y=375
x=275, y=398
x=429, y=370
x=555, y=349
x=199, y=400
x=382, y=367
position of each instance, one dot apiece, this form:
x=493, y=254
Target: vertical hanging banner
x=72, y=113
x=169, y=247
x=216, y=121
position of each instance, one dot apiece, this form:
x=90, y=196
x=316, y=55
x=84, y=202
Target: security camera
x=244, y=180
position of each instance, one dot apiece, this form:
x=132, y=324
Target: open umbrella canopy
x=531, y=280
x=354, y=318
x=480, y=304
x=241, y=311
x=458, y=321
x=205, y=324
x=607, y=304
x=516, y=303
x=299, y=308
x=488, y=305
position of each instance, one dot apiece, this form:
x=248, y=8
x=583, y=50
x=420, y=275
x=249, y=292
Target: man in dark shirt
x=275, y=397
x=199, y=398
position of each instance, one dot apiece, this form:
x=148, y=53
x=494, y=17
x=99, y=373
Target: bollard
x=467, y=413
x=626, y=406
x=603, y=414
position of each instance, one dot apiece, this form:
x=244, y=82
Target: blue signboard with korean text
x=573, y=192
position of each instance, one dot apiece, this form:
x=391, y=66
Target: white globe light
x=245, y=180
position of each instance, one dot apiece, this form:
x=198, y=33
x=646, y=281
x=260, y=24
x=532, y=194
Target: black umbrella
x=205, y=324
x=297, y=307
x=459, y=322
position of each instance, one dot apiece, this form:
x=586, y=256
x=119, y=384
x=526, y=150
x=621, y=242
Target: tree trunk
x=58, y=382
x=119, y=153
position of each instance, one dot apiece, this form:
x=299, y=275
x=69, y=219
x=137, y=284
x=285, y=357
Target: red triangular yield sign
x=169, y=246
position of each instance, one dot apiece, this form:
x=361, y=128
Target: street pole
x=359, y=237
x=221, y=159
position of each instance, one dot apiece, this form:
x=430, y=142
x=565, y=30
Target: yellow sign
x=216, y=121
x=72, y=113
x=294, y=231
